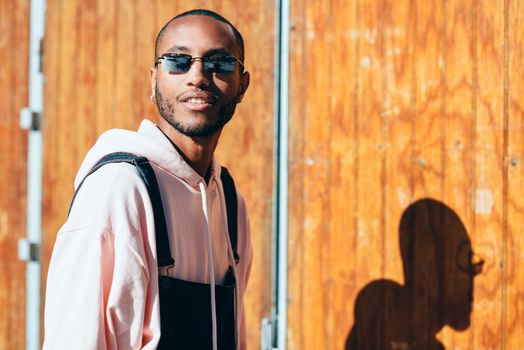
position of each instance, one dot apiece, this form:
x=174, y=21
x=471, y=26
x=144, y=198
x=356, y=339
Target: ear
x=153, y=80
x=244, y=84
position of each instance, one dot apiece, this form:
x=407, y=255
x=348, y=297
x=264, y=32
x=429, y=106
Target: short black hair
x=208, y=13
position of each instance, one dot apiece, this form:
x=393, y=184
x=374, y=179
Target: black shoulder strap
x=230, y=193
x=148, y=176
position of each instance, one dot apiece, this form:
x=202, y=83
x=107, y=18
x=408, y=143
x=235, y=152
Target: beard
x=167, y=111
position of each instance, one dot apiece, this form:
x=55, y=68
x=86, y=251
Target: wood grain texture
x=424, y=101
x=98, y=57
x=514, y=107
x=391, y=102
x=488, y=237
x=459, y=126
x=13, y=154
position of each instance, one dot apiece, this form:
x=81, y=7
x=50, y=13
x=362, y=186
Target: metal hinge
x=267, y=334
x=29, y=119
x=28, y=251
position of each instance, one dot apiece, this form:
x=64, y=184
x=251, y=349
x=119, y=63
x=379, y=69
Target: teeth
x=196, y=100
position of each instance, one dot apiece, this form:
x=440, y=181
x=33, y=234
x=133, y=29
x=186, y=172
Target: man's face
x=198, y=103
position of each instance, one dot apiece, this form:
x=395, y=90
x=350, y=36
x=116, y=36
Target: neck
x=196, y=151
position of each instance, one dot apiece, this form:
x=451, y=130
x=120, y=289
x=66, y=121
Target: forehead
x=199, y=34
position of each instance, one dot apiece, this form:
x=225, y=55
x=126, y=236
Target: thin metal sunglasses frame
x=192, y=59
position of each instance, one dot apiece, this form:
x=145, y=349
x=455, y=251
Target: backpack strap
x=230, y=194
x=148, y=176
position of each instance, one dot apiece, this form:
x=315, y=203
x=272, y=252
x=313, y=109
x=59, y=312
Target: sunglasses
x=181, y=63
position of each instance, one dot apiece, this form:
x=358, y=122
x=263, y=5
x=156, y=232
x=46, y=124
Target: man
x=103, y=288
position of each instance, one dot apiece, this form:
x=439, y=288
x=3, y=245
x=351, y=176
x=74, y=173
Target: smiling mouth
x=197, y=104
x=198, y=101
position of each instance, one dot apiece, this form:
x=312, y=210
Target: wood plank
x=369, y=236
x=106, y=57
x=372, y=114
x=428, y=123
x=514, y=323
x=125, y=27
x=446, y=298
x=296, y=210
x=84, y=79
x=313, y=228
x=13, y=154
x=489, y=237
x=398, y=111
x=144, y=37
x=59, y=145
x=52, y=212
x=344, y=164
x=459, y=135
x=317, y=124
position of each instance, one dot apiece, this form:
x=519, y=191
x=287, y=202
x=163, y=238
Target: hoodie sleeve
x=244, y=267
x=99, y=291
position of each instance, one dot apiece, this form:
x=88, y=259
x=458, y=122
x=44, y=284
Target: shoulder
x=109, y=192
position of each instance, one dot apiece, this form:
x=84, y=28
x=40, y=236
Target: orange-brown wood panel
x=397, y=36
x=459, y=136
x=13, y=154
x=344, y=157
x=97, y=67
x=316, y=157
x=369, y=166
x=514, y=316
x=428, y=126
x=488, y=237
x=296, y=275
x=424, y=106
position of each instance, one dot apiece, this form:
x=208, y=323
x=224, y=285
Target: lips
x=198, y=100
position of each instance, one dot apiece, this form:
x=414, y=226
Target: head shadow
x=439, y=266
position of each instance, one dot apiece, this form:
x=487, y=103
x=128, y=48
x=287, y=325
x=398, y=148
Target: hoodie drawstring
x=211, y=265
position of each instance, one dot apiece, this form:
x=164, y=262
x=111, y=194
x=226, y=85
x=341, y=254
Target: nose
x=197, y=75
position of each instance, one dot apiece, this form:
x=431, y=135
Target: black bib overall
x=185, y=307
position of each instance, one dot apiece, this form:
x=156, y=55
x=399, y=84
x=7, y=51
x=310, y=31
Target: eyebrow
x=177, y=48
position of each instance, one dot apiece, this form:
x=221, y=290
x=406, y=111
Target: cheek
x=228, y=87
x=168, y=86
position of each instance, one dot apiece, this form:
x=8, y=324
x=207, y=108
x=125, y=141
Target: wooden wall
x=97, y=60
x=391, y=102
x=14, y=40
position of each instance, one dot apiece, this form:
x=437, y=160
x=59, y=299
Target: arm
x=99, y=294
x=245, y=249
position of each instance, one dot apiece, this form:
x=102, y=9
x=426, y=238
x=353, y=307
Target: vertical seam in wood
x=474, y=107
x=327, y=260
x=135, y=71
x=302, y=178
x=505, y=159
x=356, y=110
x=116, y=18
x=383, y=139
x=413, y=95
x=442, y=61
x=95, y=74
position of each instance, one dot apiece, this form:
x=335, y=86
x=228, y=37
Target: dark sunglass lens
x=177, y=63
x=220, y=64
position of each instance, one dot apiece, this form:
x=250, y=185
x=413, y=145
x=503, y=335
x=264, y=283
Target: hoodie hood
x=149, y=142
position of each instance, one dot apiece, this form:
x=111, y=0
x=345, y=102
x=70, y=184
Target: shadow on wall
x=439, y=267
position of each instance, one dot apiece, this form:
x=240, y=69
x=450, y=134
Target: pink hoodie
x=102, y=282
